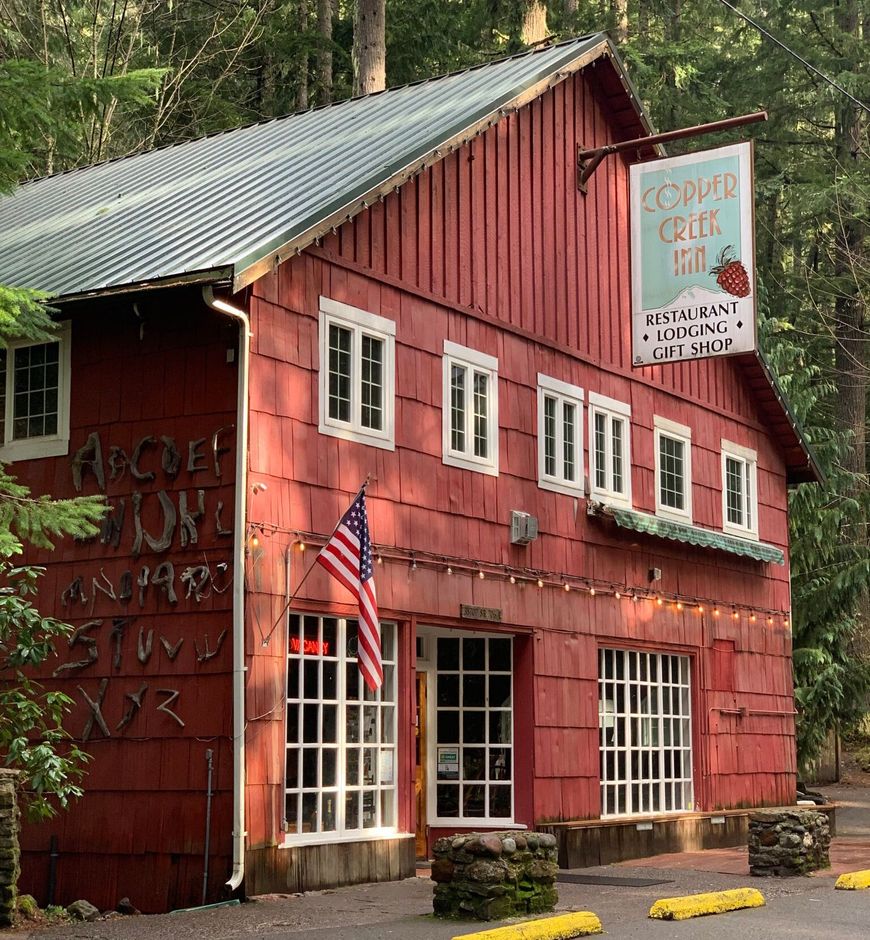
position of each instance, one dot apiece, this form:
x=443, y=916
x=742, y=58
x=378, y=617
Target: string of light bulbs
x=524, y=577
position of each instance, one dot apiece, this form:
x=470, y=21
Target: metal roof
x=236, y=203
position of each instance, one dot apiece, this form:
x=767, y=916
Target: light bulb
x=255, y=541
x=513, y=580
x=715, y=611
x=679, y=605
x=481, y=575
x=752, y=618
x=449, y=570
x=567, y=587
x=540, y=583
x=592, y=592
x=301, y=546
x=659, y=601
x=734, y=615
x=700, y=608
x=617, y=595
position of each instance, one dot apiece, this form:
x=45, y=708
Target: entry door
x=420, y=768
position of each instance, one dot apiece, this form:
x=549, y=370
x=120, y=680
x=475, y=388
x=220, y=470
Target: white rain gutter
x=239, y=527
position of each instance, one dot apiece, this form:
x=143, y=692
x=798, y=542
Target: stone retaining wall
x=788, y=842
x=493, y=875
x=9, y=852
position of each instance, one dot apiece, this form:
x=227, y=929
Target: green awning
x=692, y=535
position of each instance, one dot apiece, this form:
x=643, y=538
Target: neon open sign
x=309, y=647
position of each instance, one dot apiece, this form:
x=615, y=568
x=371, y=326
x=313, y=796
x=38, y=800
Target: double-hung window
x=34, y=398
x=560, y=436
x=609, y=450
x=341, y=769
x=739, y=490
x=673, y=454
x=470, y=409
x=357, y=374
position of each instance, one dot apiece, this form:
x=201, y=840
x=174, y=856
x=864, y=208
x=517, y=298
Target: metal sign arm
x=588, y=160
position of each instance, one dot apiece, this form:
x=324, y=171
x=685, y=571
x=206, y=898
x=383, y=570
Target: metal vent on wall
x=524, y=528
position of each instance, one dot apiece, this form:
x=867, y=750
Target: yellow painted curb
x=697, y=905
x=853, y=880
x=562, y=927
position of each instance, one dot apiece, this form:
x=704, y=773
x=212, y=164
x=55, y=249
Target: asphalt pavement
x=796, y=908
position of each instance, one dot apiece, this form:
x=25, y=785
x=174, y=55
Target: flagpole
x=298, y=588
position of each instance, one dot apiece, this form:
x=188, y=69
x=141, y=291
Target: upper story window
x=560, y=436
x=673, y=453
x=470, y=409
x=609, y=450
x=357, y=374
x=34, y=398
x=739, y=490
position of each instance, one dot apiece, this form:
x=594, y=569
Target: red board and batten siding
x=494, y=248
x=139, y=830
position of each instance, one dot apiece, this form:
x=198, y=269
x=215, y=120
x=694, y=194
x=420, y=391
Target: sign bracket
x=589, y=159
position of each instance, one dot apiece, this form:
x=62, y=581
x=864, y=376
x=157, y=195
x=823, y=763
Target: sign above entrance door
x=693, y=256
x=470, y=612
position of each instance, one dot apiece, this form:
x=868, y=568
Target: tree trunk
x=369, y=47
x=620, y=8
x=324, y=52
x=534, y=23
x=302, y=60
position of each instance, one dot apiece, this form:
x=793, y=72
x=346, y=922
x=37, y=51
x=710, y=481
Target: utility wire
x=794, y=55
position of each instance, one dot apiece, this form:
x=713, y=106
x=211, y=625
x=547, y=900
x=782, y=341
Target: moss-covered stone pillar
x=9, y=852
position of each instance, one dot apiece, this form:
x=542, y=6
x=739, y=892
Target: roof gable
x=237, y=203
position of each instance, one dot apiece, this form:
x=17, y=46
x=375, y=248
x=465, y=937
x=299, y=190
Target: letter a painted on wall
x=693, y=256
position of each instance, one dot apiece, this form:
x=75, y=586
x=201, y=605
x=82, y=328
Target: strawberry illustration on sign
x=730, y=274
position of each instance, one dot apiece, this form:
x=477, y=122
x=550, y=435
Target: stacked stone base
x=493, y=875
x=9, y=853
x=790, y=842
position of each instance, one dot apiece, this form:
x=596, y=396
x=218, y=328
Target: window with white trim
x=673, y=455
x=357, y=374
x=609, y=450
x=340, y=779
x=560, y=436
x=34, y=398
x=739, y=490
x=470, y=409
x=473, y=729
x=645, y=732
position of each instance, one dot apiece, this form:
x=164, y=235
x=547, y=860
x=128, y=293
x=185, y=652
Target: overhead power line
x=794, y=55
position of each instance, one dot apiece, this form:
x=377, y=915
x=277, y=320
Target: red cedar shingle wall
x=139, y=830
x=488, y=247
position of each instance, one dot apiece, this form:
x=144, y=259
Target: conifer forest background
x=88, y=80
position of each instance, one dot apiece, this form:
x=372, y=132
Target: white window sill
x=467, y=463
x=566, y=489
x=673, y=515
x=294, y=841
x=34, y=449
x=740, y=533
x=477, y=823
x=358, y=436
x=608, y=499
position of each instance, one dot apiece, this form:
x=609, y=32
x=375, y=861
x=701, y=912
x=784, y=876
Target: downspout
x=240, y=521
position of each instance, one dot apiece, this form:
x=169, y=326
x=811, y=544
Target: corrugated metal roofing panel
x=229, y=200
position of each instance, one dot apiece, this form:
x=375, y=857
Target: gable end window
x=34, y=398
x=357, y=374
x=609, y=450
x=739, y=490
x=673, y=455
x=470, y=409
x=560, y=436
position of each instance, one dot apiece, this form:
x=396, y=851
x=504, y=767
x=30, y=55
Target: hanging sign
x=693, y=256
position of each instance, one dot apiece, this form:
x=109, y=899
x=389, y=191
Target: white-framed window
x=645, y=732
x=673, y=455
x=341, y=768
x=357, y=374
x=609, y=450
x=739, y=490
x=470, y=409
x=35, y=398
x=471, y=712
x=560, y=436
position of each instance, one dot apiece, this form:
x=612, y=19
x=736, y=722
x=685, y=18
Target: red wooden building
x=582, y=568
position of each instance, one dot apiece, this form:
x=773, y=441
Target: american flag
x=347, y=556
